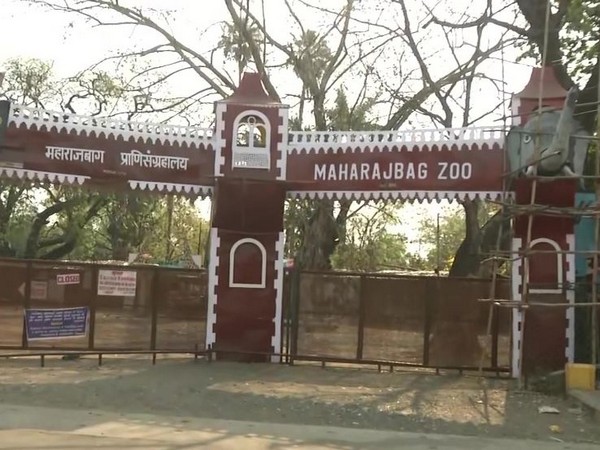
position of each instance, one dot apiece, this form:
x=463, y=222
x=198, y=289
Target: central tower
x=246, y=239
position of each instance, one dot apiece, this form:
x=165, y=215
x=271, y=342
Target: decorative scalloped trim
x=399, y=195
x=170, y=187
x=517, y=316
x=156, y=133
x=52, y=177
x=570, y=297
x=370, y=141
x=220, y=139
x=278, y=285
x=213, y=283
x=281, y=146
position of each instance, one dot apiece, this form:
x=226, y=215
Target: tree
x=55, y=229
x=235, y=46
x=54, y=218
x=379, y=47
x=324, y=221
x=72, y=210
x=16, y=211
x=441, y=244
x=309, y=61
x=570, y=44
x=28, y=82
x=158, y=228
x=368, y=244
x=559, y=33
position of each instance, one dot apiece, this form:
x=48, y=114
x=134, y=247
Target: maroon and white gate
x=249, y=164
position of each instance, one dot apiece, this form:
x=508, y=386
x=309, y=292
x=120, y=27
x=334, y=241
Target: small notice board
x=120, y=283
x=56, y=323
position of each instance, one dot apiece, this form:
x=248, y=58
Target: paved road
x=28, y=428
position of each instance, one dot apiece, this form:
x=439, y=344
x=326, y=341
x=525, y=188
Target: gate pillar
x=246, y=238
x=527, y=101
x=546, y=342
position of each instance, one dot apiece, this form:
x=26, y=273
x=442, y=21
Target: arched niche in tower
x=545, y=268
x=248, y=264
x=251, y=141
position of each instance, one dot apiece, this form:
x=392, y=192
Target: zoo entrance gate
x=360, y=318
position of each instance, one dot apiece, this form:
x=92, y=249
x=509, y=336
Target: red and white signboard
x=473, y=168
x=121, y=283
x=68, y=278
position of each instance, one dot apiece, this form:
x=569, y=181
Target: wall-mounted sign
x=39, y=290
x=120, y=283
x=398, y=168
x=80, y=148
x=56, y=323
x=424, y=164
x=68, y=278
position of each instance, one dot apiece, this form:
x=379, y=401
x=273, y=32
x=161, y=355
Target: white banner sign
x=68, y=278
x=120, y=283
x=39, y=290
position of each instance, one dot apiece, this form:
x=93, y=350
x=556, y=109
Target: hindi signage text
x=117, y=283
x=56, y=323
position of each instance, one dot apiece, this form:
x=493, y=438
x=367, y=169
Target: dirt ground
x=347, y=397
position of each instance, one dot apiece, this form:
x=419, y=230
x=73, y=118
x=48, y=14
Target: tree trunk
x=13, y=194
x=474, y=255
x=320, y=238
x=321, y=235
x=467, y=259
x=39, y=223
x=70, y=240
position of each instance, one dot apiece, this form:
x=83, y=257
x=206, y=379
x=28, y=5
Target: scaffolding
x=530, y=211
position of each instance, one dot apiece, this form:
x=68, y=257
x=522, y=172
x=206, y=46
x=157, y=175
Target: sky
x=70, y=43
x=30, y=31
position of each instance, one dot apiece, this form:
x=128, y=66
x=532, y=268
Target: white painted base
x=213, y=282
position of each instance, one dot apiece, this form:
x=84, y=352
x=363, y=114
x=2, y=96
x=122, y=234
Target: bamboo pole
x=517, y=304
x=497, y=248
x=525, y=280
x=594, y=318
x=537, y=155
x=492, y=295
x=536, y=251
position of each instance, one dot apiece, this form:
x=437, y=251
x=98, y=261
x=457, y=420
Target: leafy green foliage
x=95, y=92
x=49, y=222
x=343, y=116
x=369, y=244
x=235, y=46
x=311, y=55
x=581, y=35
x=134, y=223
x=439, y=245
x=28, y=81
x=16, y=214
x=324, y=222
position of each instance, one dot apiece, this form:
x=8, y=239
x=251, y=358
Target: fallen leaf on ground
x=555, y=429
x=548, y=410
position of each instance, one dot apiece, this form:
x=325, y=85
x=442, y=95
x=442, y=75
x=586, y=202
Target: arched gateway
x=249, y=164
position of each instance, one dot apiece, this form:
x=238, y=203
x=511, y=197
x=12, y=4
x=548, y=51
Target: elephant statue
x=560, y=139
